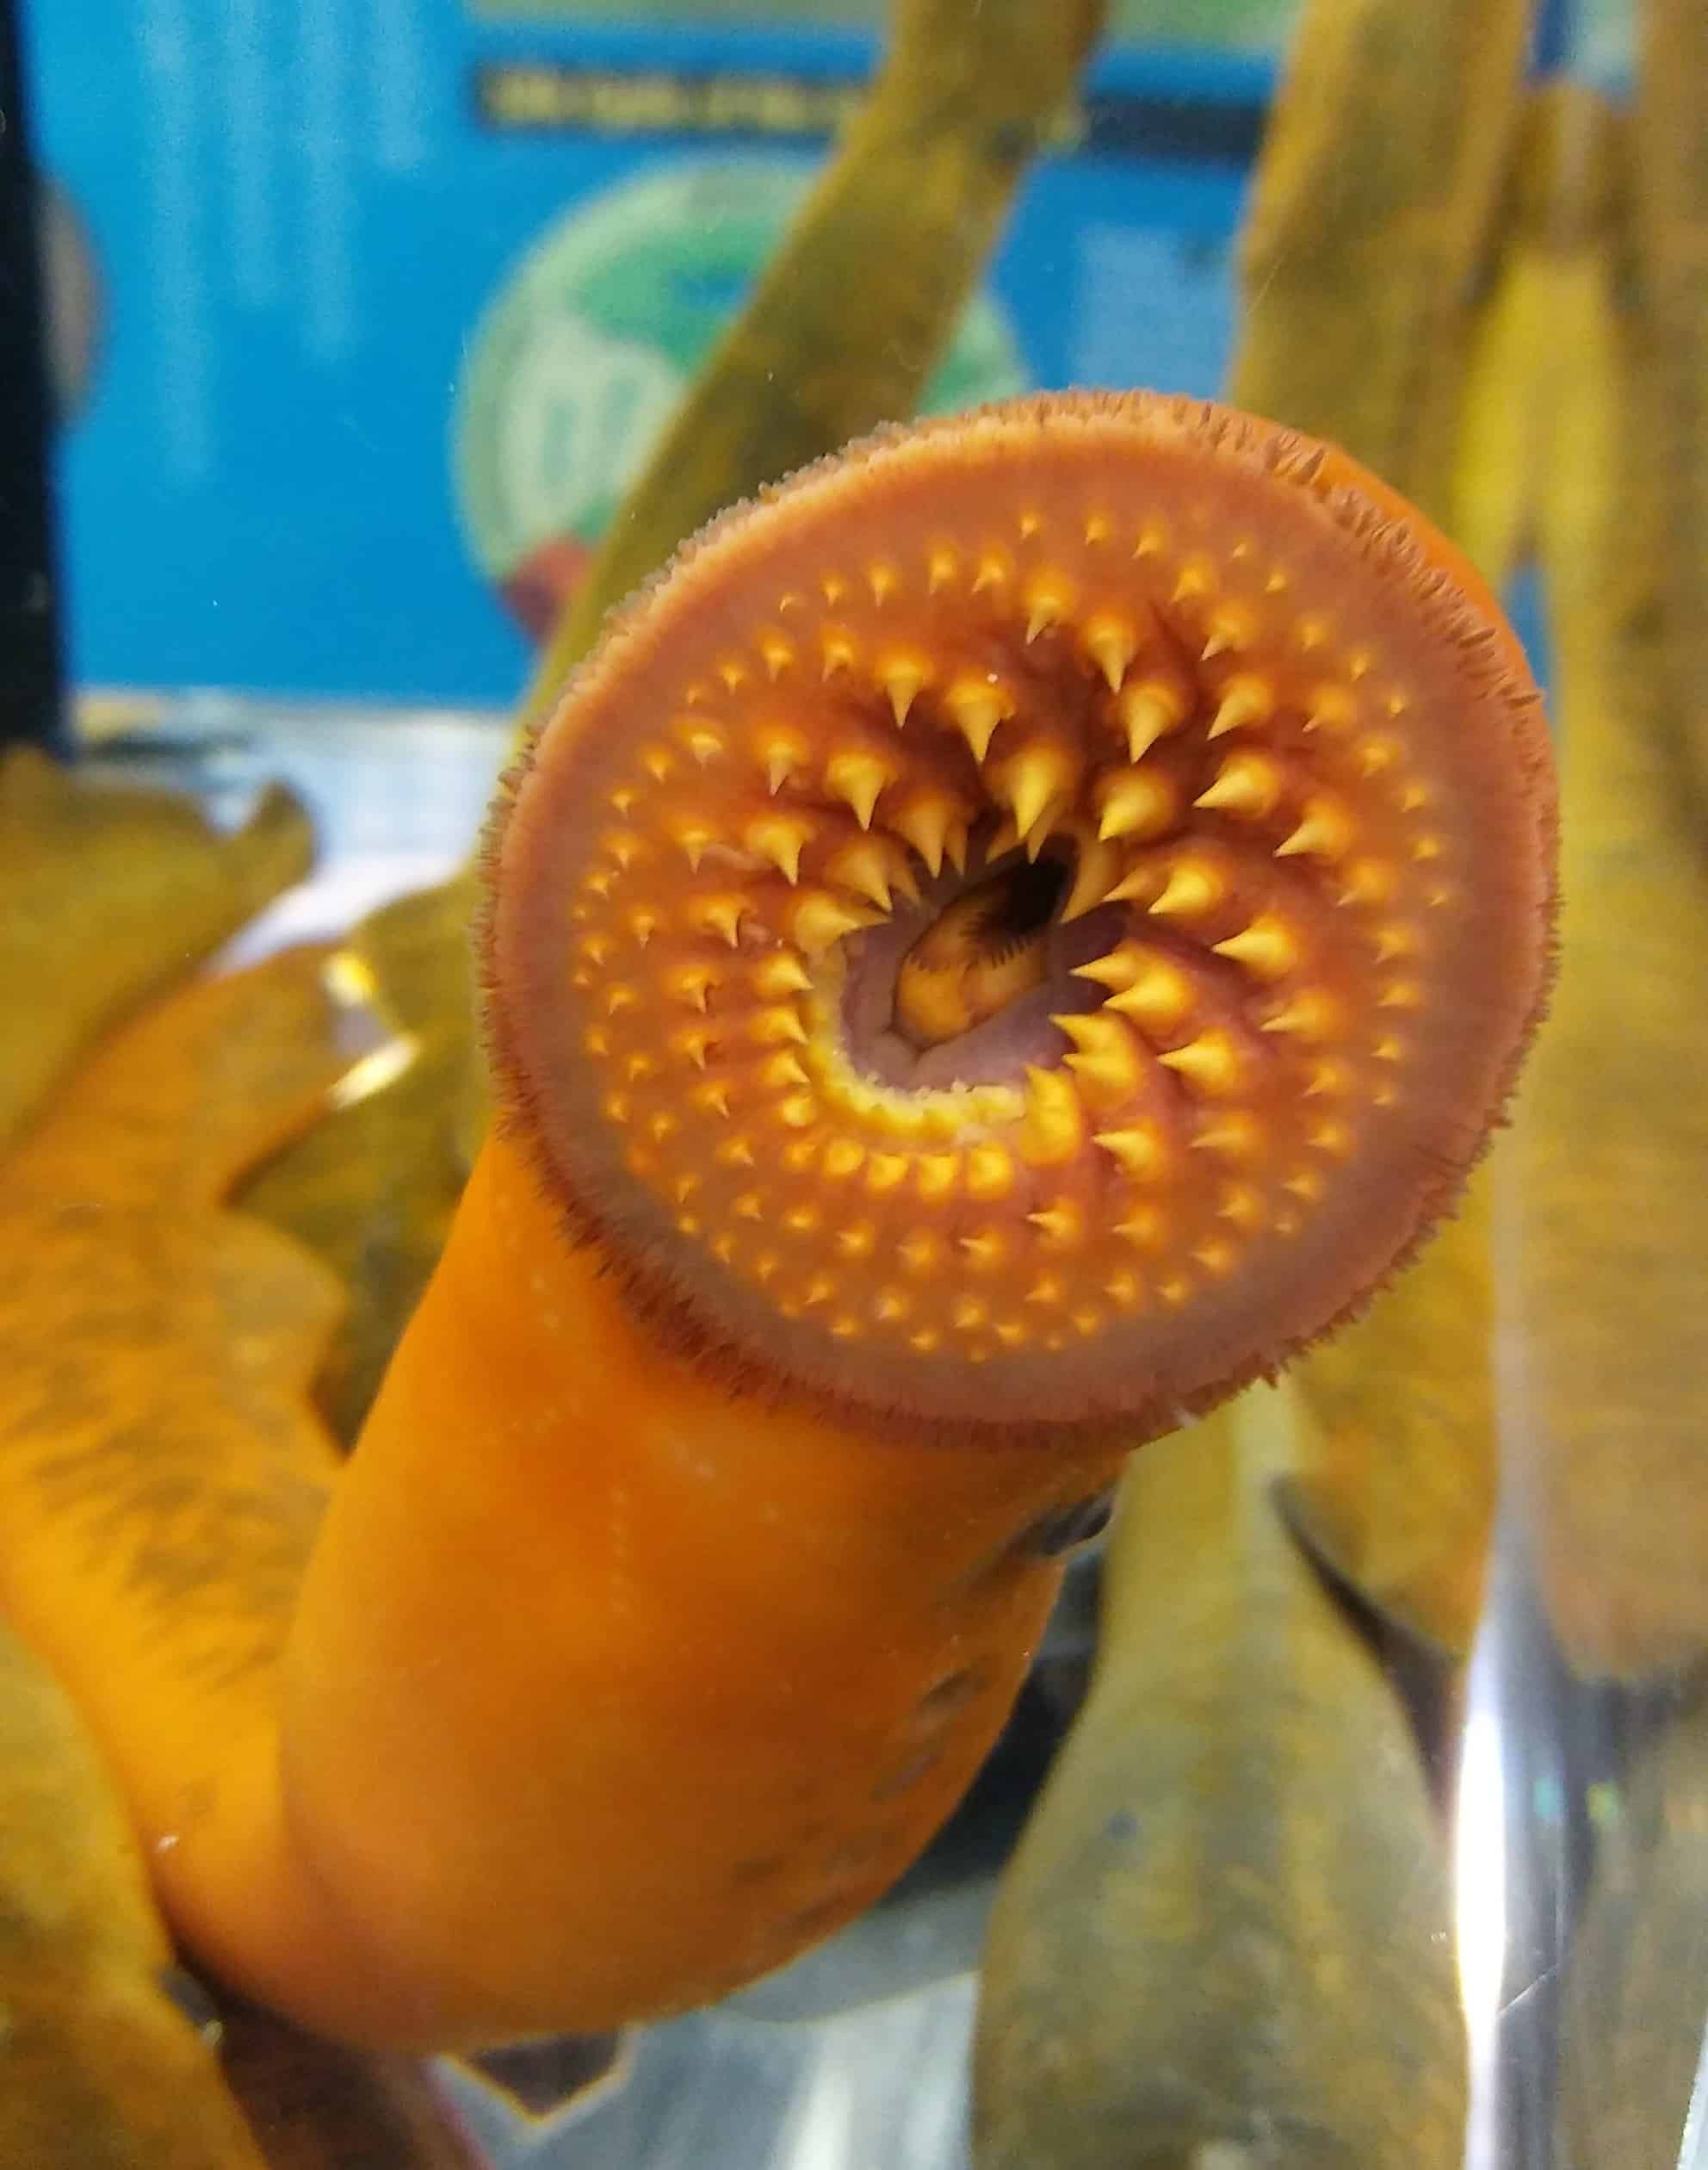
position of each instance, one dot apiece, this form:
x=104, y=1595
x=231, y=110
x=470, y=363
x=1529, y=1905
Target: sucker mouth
x=1063, y=892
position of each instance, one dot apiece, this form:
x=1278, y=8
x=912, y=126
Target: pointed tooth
x=776, y=654
x=857, y=1241
x=779, y=838
x=990, y=1172
x=1138, y=1149
x=1111, y=642
x=1245, y=700
x=935, y=1176
x=1052, y=1128
x=985, y=1251
x=1246, y=784
x=1136, y=802
x=1096, y=868
x=779, y=974
x=1326, y=832
x=892, y=1305
x=1047, y=1290
x=977, y=708
x=1230, y=627
x=864, y=867
x=843, y=1156
x=1116, y=968
x=816, y=919
x=1145, y=1226
x=941, y=567
x=901, y=677
x=1211, y=1062
x=925, y=823
x=920, y=1251
x=1191, y=890
x=1265, y=949
x=1049, y=598
x=838, y=651
x=720, y=915
x=1148, y=711
x=885, y=1172
x=1061, y=1224
x=1031, y=781
x=1160, y=994
x=783, y=753
x=1107, y=1057
x=1328, y=1079
x=993, y=570
x=1309, y=1016
x=1242, y=1207
x=693, y=835
x=856, y=778
x=1233, y=1135
x=777, y=1026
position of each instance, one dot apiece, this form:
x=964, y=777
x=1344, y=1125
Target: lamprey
x=714, y=1498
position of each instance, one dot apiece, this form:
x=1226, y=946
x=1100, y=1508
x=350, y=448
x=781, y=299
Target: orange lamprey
x=903, y=1117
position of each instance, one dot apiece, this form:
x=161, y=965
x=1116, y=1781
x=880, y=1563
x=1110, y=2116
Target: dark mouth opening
x=960, y=989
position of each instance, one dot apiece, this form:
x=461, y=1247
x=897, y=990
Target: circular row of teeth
x=745, y=848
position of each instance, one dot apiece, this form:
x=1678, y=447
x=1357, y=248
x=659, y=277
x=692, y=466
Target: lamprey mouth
x=1029, y=924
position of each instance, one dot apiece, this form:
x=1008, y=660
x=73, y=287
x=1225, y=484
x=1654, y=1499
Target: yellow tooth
x=1148, y=711
x=1112, y=643
x=618, y=1106
x=941, y=567
x=919, y=1252
x=783, y=753
x=695, y=1045
x=620, y=998
x=624, y=846
x=712, y=1099
x=782, y=1071
x=1160, y=995
x=798, y=1110
x=985, y=1251
x=1087, y=1322
x=1329, y=1078
x=1096, y=868
x=1099, y=528
x=863, y=867
x=1307, y=1185
x=1211, y=1062
x=1401, y=994
x=1145, y=1226
x=846, y=1327
x=1216, y=1257
x=1245, y=700
x=969, y=1313
x=1246, y=784
x=1326, y=832
x=925, y=822
x=1231, y=626
x=1233, y=1135
x=843, y=1157
x=1197, y=578
x=1265, y=949
x=779, y=974
x=1137, y=1149
x=779, y=838
x=596, y=948
x=1308, y=1015
x=1053, y=1126
x=885, y=1172
x=1242, y=1207
x=1333, y=1137
x=1062, y=1226
x=1137, y=802
x=993, y=570
x=801, y=1220
x=1125, y=1289
x=720, y=915
x=1049, y=598
x=1031, y=781
x=776, y=654
x=816, y=919
x=1107, y=1058
x=883, y=579
x=693, y=835
x=751, y=1205
x=856, y=778
x=1378, y=752
x=891, y=1306
x=977, y=707
x=1330, y=708
x=1011, y=1332
x=643, y=925
x=925, y=1341
x=990, y=1172
x=937, y=1176
x=902, y=676
x=838, y=651
x=659, y=762
x=857, y=1241
x=776, y=1027
x=1117, y=968
x=1192, y=888
x=820, y=1289
x=1369, y=880
x=799, y=1154
x=597, y=1040
x=723, y=1248
x=1394, y=941
x=1046, y=1290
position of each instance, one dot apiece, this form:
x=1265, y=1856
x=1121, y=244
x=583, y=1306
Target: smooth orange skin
x=611, y=1755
